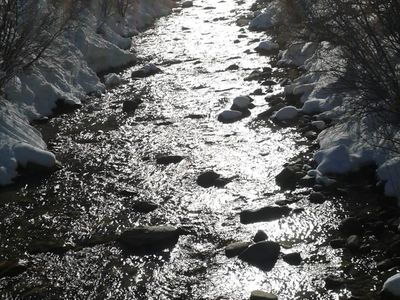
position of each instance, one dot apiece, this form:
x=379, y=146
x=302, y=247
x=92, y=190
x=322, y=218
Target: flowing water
x=108, y=160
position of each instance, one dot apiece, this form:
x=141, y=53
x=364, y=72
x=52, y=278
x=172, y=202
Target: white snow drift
x=68, y=76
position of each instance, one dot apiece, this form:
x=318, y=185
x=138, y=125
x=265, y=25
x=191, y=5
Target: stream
x=109, y=163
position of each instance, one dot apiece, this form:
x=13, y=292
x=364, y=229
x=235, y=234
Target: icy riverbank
x=348, y=144
x=65, y=77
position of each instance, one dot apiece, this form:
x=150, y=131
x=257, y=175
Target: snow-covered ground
x=350, y=143
x=96, y=45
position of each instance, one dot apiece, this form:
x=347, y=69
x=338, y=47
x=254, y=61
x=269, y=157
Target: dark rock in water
x=144, y=207
x=351, y=226
x=235, y=249
x=307, y=180
x=337, y=243
x=388, y=263
x=55, y=247
x=130, y=106
x=10, y=268
x=264, y=214
x=353, y=243
x=262, y=255
x=210, y=179
x=258, y=92
x=287, y=178
x=166, y=160
x=150, y=238
x=293, y=259
x=233, y=67
x=260, y=236
x=64, y=106
x=146, y=71
x=269, y=83
x=317, y=198
x=334, y=282
x=187, y=4
x=260, y=295
x=269, y=112
x=394, y=248
x=195, y=116
x=95, y=240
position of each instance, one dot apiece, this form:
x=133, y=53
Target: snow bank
x=68, y=73
x=349, y=144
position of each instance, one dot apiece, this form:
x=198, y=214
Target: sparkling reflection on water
x=106, y=152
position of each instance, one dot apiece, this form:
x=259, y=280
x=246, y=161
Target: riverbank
x=64, y=78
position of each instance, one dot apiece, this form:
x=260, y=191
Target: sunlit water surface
x=104, y=152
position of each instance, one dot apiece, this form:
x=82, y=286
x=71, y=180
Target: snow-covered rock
x=391, y=287
x=286, y=113
x=268, y=18
x=112, y=80
x=297, y=54
x=228, y=116
x=267, y=46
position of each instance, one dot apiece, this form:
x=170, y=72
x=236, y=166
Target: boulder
x=170, y=159
x=317, y=198
x=287, y=178
x=146, y=71
x=351, y=226
x=211, y=179
x=130, y=106
x=144, y=206
x=391, y=288
x=187, y=4
x=112, y=80
x=267, y=47
x=230, y=116
x=236, y=248
x=286, y=113
x=264, y=214
x=260, y=295
x=149, y=238
x=293, y=259
x=260, y=236
x=10, y=268
x=262, y=255
x=241, y=103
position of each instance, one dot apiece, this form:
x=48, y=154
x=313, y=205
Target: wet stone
x=262, y=255
x=170, y=159
x=233, y=67
x=353, y=243
x=211, y=179
x=260, y=236
x=388, y=263
x=10, y=268
x=187, y=4
x=146, y=71
x=264, y=214
x=293, y=259
x=317, y=198
x=130, y=106
x=351, y=226
x=337, y=243
x=287, y=178
x=334, y=282
x=260, y=295
x=145, y=206
x=150, y=238
x=195, y=116
x=236, y=248
x=55, y=247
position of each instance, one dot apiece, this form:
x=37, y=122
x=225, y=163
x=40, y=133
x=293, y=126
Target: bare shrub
x=368, y=33
x=27, y=29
